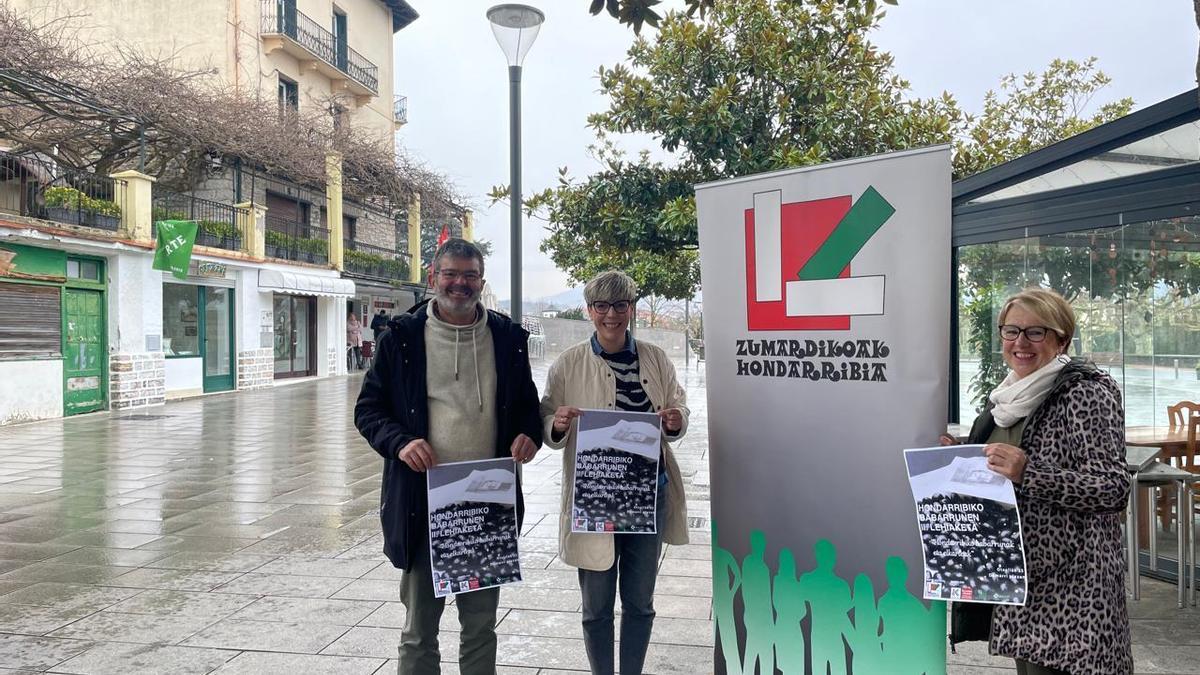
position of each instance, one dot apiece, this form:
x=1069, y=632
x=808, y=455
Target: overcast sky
x=451, y=69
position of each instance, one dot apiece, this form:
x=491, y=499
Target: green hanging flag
x=174, y=248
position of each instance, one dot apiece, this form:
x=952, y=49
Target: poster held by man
x=616, y=472
x=473, y=526
x=826, y=315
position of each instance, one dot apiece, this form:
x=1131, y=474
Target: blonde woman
x=1056, y=428
x=613, y=371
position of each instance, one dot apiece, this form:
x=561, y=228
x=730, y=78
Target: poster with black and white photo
x=473, y=526
x=970, y=527
x=616, y=472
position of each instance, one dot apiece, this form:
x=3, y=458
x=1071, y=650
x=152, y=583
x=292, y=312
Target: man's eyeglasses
x=1009, y=332
x=620, y=307
x=455, y=275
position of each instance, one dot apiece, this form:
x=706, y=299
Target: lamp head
x=515, y=28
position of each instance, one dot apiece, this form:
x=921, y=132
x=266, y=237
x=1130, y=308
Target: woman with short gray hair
x=613, y=371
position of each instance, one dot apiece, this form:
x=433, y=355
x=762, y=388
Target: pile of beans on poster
x=616, y=472
x=970, y=527
x=473, y=526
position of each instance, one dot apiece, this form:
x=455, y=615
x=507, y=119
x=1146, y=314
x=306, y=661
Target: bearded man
x=450, y=383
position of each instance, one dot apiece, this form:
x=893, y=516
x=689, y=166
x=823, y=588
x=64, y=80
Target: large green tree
x=759, y=85
x=756, y=85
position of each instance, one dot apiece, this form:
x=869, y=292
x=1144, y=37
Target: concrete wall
x=136, y=375
x=30, y=390
x=185, y=377
x=331, y=336
x=135, y=302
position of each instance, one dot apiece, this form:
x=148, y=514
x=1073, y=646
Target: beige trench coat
x=581, y=379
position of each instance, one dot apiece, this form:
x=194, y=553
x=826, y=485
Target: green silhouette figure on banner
x=759, y=616
x=865, y=643
x=911, y=638
x=727, y=579
x=828, y=597
x=789, y=611
x=898, y=635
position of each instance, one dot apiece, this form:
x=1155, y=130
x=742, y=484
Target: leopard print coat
x=1071, y=498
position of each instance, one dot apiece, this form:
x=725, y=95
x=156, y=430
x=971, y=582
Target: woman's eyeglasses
x=1009, y=332
x=620, y=307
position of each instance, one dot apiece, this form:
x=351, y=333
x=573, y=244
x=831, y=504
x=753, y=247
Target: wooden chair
x=1185, y=414
x=1179, y=414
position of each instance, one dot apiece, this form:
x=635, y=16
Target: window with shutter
x=30, y=321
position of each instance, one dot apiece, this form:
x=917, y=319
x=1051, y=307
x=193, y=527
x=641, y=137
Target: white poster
x=473, y=526
x=826, y=331
x=616, y=472
x=970, y=526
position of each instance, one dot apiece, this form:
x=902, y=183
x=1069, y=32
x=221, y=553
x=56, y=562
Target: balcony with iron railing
x=287, y=239
x=218, y=225
x=37, y=188
x=287, y=28
x=400, y=111
x=374, y=262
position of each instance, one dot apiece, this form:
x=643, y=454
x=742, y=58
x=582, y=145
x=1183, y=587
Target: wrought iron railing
x=287, y=239
x=218, y=225
x=37, y=188
x=376, y=262
x=400, y=110
x=279, y=18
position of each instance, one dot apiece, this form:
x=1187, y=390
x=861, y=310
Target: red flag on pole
x=444, y=235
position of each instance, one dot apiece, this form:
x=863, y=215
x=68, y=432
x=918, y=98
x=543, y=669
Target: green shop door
x=83, y=351
x=217, y=346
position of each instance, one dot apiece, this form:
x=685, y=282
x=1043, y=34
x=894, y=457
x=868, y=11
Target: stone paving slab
x=268, y=636
x=131, y=659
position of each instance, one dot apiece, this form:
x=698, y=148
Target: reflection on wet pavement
x=240, y=533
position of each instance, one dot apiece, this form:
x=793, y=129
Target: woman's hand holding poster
x=616, y=472
x=970, y=526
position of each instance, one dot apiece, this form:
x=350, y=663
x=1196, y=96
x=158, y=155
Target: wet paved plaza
x=238, y=533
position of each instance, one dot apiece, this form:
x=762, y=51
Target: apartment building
x=277, y=264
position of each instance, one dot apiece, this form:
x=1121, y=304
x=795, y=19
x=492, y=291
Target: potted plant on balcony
x=63, y=204
x=217, y=234
x=101, y=213
x=277, y=244
x=313, y=250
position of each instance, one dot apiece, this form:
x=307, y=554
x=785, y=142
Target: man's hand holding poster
x=970, y=526
x=616, y=472
x=473, y=526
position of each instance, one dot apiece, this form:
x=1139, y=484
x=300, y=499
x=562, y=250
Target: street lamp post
x=515, y=27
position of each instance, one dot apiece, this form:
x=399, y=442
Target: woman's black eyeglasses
x=1009, y=332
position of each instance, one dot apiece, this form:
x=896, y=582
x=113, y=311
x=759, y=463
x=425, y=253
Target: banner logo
x=798, y=261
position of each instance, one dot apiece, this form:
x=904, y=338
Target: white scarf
x=1016, y=397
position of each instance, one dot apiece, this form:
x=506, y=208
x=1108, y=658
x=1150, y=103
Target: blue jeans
x=635, y=569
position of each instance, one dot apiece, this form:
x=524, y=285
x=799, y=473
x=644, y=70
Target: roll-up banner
x=826, y=321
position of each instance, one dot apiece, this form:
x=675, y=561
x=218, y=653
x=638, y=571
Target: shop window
x=30, y=321
x=181, y=320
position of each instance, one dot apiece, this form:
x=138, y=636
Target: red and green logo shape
x=798, y=261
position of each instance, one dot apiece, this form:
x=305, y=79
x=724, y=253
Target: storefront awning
x=298, y=283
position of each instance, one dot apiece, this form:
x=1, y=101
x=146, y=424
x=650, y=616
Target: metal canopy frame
x=1164, y=193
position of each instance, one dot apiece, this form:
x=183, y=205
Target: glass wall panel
x=1136, y=294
